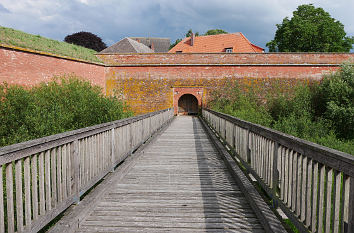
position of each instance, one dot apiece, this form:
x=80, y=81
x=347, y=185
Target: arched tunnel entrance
x=187, y=105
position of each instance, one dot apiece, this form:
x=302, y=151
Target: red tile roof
x=217, y=44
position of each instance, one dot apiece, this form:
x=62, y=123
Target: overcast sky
x=113, y=20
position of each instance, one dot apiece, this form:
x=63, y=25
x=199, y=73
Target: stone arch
x=188, y=105
x=178, y=92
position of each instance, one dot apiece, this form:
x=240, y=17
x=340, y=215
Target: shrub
x=87, y=40
x=64, y=104
x=335, y=100
x=242, y=105
x=322, y=113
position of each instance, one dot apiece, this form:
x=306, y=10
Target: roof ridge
x=217, y=43
x=217, y=34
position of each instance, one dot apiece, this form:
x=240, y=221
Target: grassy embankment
x=322, y=113
x=12, y=37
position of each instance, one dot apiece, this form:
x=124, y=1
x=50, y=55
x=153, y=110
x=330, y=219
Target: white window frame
x=228, y=50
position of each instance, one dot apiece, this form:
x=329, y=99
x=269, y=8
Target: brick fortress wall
x=29, y=68
x=149, y=82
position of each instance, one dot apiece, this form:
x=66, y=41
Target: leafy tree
x=310, y=29
x=215, y=32
x=189, y=33
x=87, y=40
x=176, y=42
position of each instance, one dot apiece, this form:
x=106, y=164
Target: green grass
x=21, y=39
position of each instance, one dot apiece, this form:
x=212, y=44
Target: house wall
x=29, y=68
x=147, y=81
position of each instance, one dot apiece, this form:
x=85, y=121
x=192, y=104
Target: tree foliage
x=175, y=43
x=189, y=33
x=87, y=40
x=215, y=32
x=310, y=29
x=64, y=104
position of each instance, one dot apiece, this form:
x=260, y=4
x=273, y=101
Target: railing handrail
x=339, y=160
x=37, y=144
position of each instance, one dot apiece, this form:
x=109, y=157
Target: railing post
x=248, y=147
x=350, y=227
x=233, y=136
x=75, y=171
x=275, y=178
x=142, y=130
x=112, y=148
x=131, y=137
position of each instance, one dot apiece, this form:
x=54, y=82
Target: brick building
x=221, y=43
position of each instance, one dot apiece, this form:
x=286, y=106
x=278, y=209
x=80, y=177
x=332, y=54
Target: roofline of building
x=250, y=42
x=222, y=53
x=226, y=64
x=149, y=37
x=257, y=46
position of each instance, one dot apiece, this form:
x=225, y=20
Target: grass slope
x=21, y=39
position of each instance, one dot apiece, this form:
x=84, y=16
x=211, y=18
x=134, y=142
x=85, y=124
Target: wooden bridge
x=160, y=173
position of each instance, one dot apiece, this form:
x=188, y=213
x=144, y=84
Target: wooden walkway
x=178, y=184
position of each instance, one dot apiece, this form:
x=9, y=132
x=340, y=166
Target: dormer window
x=228, y=50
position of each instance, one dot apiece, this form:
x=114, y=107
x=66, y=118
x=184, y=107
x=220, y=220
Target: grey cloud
x=114, y=19
x=3, y=9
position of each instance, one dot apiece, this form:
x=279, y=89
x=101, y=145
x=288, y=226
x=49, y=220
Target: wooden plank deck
x=179, y=184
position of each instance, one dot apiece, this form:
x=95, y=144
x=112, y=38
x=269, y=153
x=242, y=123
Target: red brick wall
x=147, y=81
x=29, y=68
x=227, y=58
x=150, y=88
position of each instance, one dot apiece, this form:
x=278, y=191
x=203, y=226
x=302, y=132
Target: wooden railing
x=41, y=178
x=312, y=184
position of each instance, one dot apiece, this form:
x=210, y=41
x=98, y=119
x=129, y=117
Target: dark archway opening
x=188, y=105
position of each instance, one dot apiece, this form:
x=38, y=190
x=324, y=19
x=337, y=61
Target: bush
x=64, y=104
x=322, y=113
x=243, y=106
x=335, y=101
x=87, y=40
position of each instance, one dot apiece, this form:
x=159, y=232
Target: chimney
x=152, y=46
x=192, y=38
